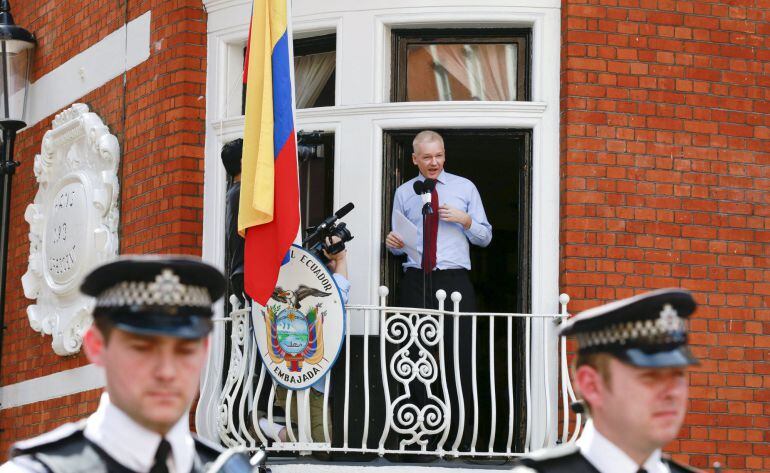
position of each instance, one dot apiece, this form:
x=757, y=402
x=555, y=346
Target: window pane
x=441, y=72
x=315, y=61
x=314, y=79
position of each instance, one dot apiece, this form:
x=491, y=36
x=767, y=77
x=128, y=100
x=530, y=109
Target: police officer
x=151, y=320
x=631, y=371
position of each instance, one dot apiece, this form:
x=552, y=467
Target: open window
x=498, y=162
x=315, y=65
x=315, y=155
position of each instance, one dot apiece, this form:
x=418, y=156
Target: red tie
x=429, y=258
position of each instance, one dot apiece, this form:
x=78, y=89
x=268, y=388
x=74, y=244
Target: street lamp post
x=16, y=45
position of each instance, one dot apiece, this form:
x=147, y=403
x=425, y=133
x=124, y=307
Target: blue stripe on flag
x=282, y=110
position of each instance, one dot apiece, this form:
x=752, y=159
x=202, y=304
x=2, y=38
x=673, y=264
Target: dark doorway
x=498, y=162
x=315, y=154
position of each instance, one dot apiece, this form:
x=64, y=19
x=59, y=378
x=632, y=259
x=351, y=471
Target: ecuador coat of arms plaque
x=300, y=331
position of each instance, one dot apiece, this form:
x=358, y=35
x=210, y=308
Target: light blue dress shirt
x=344, y=285
x=452, y=250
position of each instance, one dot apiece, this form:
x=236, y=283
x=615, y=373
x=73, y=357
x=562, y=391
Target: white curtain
x=451, y=58
x=491, y=60
x=311, y=72
x=487, y=71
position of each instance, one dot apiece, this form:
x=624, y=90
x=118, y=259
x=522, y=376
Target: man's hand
x=394, y=241
x=451, y=214
x=336, y=257
x=338, y=262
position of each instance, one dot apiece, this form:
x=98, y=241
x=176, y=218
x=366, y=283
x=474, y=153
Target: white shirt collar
x=608, y=458
x=441, y=177
x=134, y=446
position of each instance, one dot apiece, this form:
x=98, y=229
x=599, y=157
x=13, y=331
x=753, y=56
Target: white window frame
x=363, y=113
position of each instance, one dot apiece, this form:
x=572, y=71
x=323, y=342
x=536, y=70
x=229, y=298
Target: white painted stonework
x=73, y=223
x=52, y=386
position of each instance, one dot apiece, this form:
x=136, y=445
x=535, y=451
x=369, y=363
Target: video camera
x=309, y=145
x=319, y=237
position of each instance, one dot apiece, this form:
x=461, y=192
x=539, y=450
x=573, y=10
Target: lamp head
x=16, y=46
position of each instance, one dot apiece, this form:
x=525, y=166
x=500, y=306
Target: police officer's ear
x=590, y=385
x=93, y=345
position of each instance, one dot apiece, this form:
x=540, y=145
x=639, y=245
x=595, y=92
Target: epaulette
x=561, y=459
x=207, y=447
x=59, y=435
x=523, y=469
x=553, y=452
x=678, y=467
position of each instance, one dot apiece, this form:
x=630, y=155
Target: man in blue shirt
x=461, y=221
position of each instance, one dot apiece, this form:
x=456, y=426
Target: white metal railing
x=411, y=393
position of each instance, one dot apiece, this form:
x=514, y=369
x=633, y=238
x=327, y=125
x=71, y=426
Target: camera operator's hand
x=337, y=261
x=394, y=241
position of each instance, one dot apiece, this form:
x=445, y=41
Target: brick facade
x=665, y=131
x=31, y=419
x=666, y=182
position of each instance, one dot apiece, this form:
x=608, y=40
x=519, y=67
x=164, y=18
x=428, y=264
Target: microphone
x=337, y=215
x=344, y=210
x=423, y=189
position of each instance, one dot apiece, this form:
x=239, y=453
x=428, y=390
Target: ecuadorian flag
x=268, y=215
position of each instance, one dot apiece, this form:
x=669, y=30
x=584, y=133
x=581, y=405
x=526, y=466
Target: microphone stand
x=427, y=276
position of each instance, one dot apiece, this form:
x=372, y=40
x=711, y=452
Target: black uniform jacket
x=67, y=450
x=568, y=459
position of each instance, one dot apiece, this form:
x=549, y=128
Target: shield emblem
x=301, y=330
x=292, y=330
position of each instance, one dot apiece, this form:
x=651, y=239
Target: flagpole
x=302, y=397
x=290, y=37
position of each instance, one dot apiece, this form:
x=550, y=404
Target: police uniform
x=645, y=331
x=170, y=297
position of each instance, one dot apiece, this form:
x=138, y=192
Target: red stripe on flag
x=266, y=244
x=246, y=57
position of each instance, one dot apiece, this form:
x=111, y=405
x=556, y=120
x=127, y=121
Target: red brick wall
x=666, y=182
x=165, y=124
x=158, y=117
x=31, y=419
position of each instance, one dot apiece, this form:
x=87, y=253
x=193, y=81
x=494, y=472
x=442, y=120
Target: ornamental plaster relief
x=73, y=223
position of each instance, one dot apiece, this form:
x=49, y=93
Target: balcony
x=397, y=390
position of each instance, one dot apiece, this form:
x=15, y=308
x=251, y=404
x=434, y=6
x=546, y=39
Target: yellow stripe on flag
x=257, y=166
x=278, y=21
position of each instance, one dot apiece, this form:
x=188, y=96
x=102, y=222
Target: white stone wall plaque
x=73, y=223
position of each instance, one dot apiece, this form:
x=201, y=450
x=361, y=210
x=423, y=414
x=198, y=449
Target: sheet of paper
x=409, y=235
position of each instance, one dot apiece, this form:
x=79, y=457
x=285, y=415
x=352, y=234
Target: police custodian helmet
x=647, y=330
x=156, y=295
